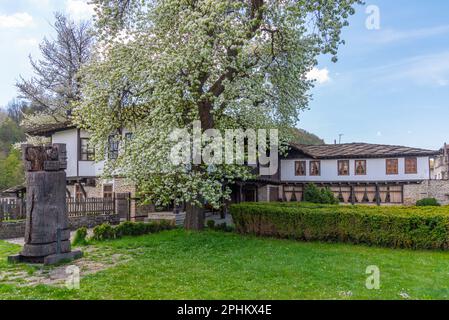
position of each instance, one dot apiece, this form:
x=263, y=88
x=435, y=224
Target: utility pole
x=339, y=137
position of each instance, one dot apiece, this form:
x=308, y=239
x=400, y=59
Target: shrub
x=224, y=227
x=80, y=237
x=396, y=227
x=104, y=232
x=131, y=229
x=211, y=224
x=327, y=196
x=428, y=202
x=313, y=194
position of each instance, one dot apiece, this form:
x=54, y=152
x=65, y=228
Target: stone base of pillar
x=48, y=260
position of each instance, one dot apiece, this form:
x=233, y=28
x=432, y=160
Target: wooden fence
x=14, y=209
x=90, y=207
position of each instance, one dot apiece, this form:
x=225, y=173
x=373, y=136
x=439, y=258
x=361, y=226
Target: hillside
x=304, y=137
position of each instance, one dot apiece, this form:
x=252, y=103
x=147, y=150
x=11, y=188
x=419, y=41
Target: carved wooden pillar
x=47, y=233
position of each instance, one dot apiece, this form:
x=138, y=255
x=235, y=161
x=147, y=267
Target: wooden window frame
x=89, y=153
x=338, y=168
x=311, y=166
x=111, y=193
x=113, y=147
x=355, y=168
x=397, y=167
x=305, y=168
x=415, y=159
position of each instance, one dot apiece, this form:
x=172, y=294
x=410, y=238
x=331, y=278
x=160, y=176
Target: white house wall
x=75, y=168
x=376, y=171
x=70, y=139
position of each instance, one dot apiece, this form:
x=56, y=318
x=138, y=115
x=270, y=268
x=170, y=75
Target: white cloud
x=425, y=70
x=28, y=42
x=80, y=9
x=319, y=75
x=390, y=35
x=40, y=3
x=16, y=20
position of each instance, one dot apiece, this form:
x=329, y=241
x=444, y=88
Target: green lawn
x=212, y=265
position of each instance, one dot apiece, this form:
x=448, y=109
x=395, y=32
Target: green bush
x=80, y=237
x=396, y=227
x=428, y=202
x=106, y=231
x=211, y=224
x=224, y=227
x=313, y=194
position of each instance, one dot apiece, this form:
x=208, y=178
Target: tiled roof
x=48, y=129
x=360, y=150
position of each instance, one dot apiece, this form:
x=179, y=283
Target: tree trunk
x=195, y=218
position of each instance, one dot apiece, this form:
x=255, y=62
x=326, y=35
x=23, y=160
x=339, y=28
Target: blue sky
x=390, y=85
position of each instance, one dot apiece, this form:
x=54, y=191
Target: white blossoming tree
x=162, y=64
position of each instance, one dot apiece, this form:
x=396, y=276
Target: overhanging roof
x=360, y=150
x=48, y=129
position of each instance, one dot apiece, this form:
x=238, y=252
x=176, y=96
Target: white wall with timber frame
x=376, y=170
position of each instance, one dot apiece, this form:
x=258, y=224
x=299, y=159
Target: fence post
x=1, y=213
x=129, y=206
x=114, y=209
x=377, y=195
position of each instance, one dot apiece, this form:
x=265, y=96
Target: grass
x=213, y=265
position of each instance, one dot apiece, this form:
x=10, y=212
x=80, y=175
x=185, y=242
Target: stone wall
x=122, y=186
x=438, y=189
x=92, y=221
x=11, y=230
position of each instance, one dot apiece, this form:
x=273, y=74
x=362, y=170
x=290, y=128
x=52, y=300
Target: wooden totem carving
x=47, y=226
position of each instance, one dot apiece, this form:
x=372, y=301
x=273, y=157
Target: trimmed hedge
x=395, y=227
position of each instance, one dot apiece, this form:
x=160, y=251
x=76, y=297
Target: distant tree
x=56, y=84
x=301, y=136
x=11, y=168
x=16, y=110
x=10, y=133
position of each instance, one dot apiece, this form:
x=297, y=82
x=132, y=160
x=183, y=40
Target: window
x=79, y=194
x=86, y=151
x=113, y=147
x=343, y=167
x=128, y=135
x=107, y=191
x=315, y=168
x=411, y=165
x=392, y=166
x=360, y=167
x=300, y=168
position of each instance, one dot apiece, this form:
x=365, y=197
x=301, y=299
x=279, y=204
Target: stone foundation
x=174, y=219
x=438, y=189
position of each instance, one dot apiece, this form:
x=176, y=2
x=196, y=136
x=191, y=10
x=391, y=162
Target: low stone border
x=16, y=229
x=10, y=230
